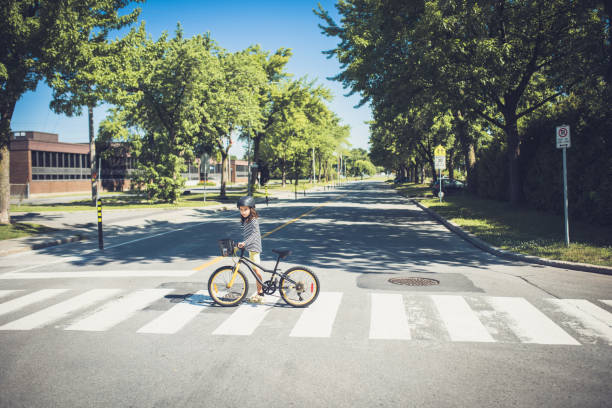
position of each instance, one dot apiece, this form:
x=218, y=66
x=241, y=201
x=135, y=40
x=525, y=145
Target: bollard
x=100, y=236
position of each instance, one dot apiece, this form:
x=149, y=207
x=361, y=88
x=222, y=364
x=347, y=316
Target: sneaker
x=256, y=298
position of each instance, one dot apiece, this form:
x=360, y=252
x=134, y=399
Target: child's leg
x=254, y=256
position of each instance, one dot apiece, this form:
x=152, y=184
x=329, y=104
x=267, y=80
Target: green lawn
x=133, y=201
x=523, y=230
x=19, y=229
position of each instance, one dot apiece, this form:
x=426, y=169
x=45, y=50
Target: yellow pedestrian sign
x=439, y=151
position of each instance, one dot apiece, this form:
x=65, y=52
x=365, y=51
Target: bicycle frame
x=247, y=262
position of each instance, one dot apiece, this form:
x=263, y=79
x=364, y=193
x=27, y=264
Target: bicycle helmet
x=246, y=201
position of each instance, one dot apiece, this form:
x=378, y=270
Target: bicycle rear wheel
x=299, y=287
x=218, y=286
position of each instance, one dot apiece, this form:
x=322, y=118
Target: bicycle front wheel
x=299, y=287
x=220, y=290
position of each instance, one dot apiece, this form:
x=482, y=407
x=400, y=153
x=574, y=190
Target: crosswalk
x=378, y=316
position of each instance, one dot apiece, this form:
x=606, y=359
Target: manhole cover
x=414, y=281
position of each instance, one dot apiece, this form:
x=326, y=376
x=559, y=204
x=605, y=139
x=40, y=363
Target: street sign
x=439, y=151
x=563, y=136
x=440, y=162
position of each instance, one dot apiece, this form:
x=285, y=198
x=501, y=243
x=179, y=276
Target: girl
x=251, y=237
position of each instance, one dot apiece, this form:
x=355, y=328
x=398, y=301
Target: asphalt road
x=132, y=326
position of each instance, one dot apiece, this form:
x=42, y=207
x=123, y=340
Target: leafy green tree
x=43, y=39
x=159, y=98
x=233, y=103
x=501, y=60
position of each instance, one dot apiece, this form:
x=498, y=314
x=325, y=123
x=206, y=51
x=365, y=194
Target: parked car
x=449, y=186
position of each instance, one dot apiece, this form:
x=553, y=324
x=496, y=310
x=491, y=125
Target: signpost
x=562, y=134
x=440, y=164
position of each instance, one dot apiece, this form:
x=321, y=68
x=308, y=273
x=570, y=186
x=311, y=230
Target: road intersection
x=133, y=325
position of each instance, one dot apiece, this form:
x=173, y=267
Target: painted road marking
x=246, y=318
x=60, y=310
x=178, y=316
x=593, y=321
x=388, y=317
x=23, y=301
x=318, y=319
x=4, y=293
x=119, y=310
x=528, y=323
x=461, y=322
x=96, y=274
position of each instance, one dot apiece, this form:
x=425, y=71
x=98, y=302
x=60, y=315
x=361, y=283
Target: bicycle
x=228, y=285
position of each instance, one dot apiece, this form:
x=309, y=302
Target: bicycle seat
x=282, y=252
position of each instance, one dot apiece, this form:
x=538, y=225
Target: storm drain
x=414, y=281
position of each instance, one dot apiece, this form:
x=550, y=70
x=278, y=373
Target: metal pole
x=440, y=181
x=99, y=206
x=99, y=178
x=567, y=242
x=100, y=235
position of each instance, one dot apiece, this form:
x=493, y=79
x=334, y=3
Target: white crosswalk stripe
x=318, y=319
x=27, y=300
x=607, y=302
x=60, y=310
x=589, y=320
x=4, y=293
x=118, y=310
x=461, y=322
x=528, y=323
x=246, y=318
x=390, y=316
x=176, y=318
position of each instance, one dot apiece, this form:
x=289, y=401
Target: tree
x=159, y=96
x=500, y=60
x=232, y=103
x=41, y=39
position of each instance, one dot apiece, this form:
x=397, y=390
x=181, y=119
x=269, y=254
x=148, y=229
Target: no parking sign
x=563, y=136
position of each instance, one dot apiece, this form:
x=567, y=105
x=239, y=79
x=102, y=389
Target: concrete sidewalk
x=82, y=225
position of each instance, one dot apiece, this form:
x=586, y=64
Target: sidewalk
x=82, y=225
x=513, y=256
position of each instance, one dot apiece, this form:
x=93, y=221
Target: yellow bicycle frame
x=231, y=282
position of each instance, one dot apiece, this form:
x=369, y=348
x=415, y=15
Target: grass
x=20, y=229
x=134, y=201
x=523, y=230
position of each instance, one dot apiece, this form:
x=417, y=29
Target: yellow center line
x=217, y=259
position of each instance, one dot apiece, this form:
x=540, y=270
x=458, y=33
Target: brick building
x=40, y=163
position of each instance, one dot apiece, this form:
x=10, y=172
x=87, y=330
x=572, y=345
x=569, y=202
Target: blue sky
x=234, y=25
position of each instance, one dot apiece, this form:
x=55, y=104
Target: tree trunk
x=92, y=155
x=254, y=172
x=5, y=186
x=7, y=106
x=222, y=193
x=514, y=154
x=284, y=174
x=451, y=165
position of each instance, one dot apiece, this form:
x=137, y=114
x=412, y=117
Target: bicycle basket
x=226, y=246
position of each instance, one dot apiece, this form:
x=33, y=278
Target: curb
x=82, y=237
x=46, y=244
x=478, y=243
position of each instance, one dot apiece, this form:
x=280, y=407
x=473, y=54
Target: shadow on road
x=364, y=228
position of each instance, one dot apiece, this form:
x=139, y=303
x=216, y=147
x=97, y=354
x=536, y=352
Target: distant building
x=40, y=163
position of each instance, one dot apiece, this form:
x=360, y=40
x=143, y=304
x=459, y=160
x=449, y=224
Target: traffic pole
x=567, y=241
x=100, y=235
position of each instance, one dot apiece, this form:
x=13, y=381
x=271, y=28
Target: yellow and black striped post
x=100, y=236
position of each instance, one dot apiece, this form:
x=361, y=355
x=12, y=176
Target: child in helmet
x=251, y=237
